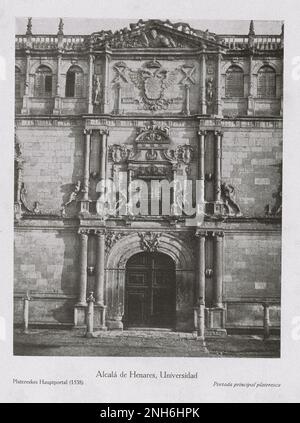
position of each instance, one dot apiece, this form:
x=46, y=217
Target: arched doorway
x=150, y=291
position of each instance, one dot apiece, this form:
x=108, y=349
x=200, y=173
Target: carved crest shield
x=153, y=80
x=153, y=87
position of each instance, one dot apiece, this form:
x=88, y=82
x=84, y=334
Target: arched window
x=266, y=82
x=17, y=82
x=74, y=82
x=234, y=82
x=43, y=82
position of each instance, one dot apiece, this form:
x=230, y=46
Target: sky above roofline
x=85, y=26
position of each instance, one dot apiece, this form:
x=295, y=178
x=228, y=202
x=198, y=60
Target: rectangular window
x=234, y=84
x=48, y=84
x=70, y=84
x=17, y=85
x=266, y=85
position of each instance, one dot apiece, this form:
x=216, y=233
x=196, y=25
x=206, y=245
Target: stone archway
x=132, y=244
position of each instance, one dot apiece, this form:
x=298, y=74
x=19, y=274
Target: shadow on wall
x=68, y=283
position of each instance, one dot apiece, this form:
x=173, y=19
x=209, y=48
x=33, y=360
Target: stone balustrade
x=78, y=42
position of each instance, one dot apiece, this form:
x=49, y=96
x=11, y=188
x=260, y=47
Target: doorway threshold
x=148, y=329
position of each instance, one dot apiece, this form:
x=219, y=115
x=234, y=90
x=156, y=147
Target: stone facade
x=156, y=101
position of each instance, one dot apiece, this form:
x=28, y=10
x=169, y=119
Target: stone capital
x=83, y=232
x=201, y=234
x=99, y=232
x=104, y=131
x=218, y=234
x=202, y=132
x=87, y=131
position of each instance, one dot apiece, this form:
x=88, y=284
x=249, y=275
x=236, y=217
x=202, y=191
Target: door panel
x=136, y=308
x=150, y=291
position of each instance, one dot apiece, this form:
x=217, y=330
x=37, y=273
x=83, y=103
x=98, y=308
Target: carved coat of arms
x=153, y=80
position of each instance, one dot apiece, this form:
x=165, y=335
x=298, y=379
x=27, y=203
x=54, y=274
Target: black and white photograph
x=149, y=213
x=148, y=187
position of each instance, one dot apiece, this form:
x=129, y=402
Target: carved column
x=106, y=81
x=219, y=86
x=250, y=108
x=203, y=83
x=100, y=258
x=218, y=269
x=201, y=267
x=103, y=153
x=200, y=286
x=86, y=175
x=218, y=158
x=25, y=110
x=83, y=234
x=187, y=99
x=90, y=85
x=201, y=176
x=57, y=101
x=119, y=98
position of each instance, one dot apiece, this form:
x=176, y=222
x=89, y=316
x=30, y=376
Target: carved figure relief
x=21, y=203
x=209, y=91
x=149, y=241
x=96, y=89
x=72, y=197
x=228, y=197
x=276, y=210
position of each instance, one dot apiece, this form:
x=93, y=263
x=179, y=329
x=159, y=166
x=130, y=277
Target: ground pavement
x=50, y=342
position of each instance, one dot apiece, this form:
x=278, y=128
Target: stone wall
x=251, y=162
x=53, y=163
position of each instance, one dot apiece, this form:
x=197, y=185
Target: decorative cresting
x=149, y=241
x=153, y=33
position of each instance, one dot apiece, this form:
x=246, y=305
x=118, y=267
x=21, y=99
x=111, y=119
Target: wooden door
x=150, y=291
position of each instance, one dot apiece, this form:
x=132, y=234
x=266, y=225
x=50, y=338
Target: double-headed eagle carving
x=152, y=80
